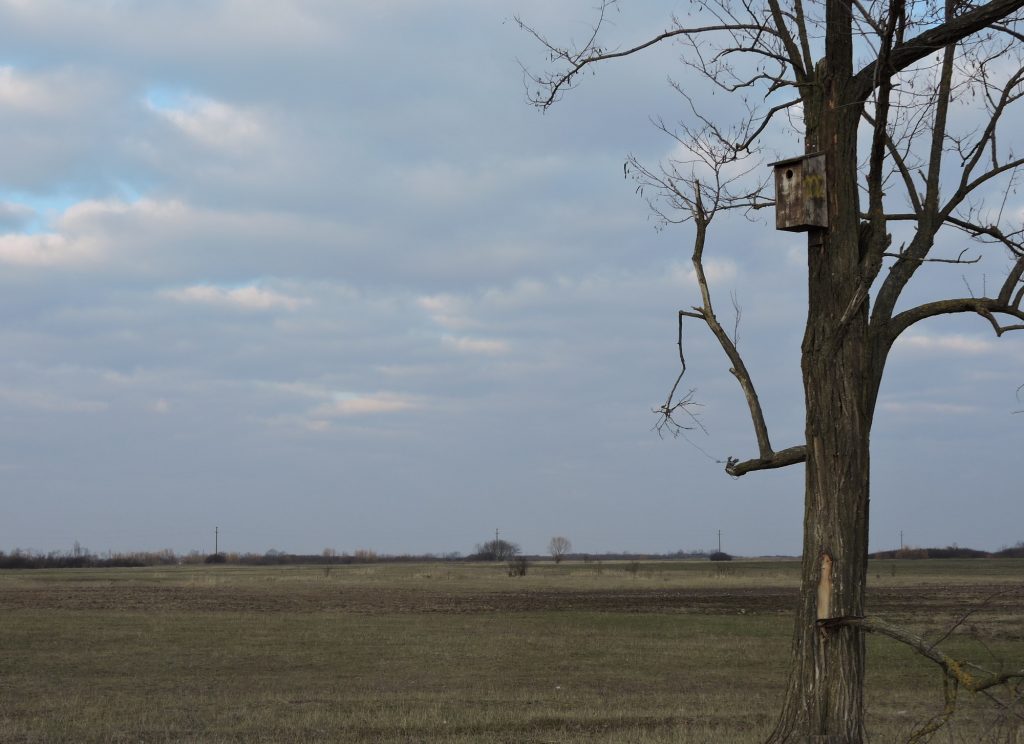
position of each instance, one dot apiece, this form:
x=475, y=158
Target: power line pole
x=216, y=537
x=901, y=539
x=719, y=541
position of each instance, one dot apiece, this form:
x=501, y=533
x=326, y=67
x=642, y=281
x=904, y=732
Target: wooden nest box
x=800, y=194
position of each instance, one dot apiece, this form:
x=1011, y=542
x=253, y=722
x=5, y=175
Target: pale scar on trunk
x=825, y=588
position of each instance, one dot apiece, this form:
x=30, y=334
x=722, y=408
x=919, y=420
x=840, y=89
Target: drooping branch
x=738, y=368
x=955, y=670
x=699, y=202
x=955, y=673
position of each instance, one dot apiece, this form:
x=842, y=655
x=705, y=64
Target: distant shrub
x=518, y=566
x=718, y=555
x=365, y=555
x=216, y=558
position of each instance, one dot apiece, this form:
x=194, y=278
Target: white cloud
x=19, y=93
x=470, y=345
x=80, y=234
x=951, y=343
x=46, y=249
x=525, y=292
x=334, y=404
x=214, y=124
x=362, y=405
x=47, y=93
x=715, y=270
x=447, y=310
x=160, y=405
x=82, y=214
x=250, y=297
x=173, y=238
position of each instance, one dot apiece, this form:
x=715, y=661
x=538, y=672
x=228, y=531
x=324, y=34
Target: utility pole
x=216, y=536
x=719, y=541
x=901, y=539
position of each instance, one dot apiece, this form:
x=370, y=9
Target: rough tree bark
x=850, y=326
x=825, y=693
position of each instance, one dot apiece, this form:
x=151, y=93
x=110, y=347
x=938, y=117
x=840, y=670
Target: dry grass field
x=459, y=653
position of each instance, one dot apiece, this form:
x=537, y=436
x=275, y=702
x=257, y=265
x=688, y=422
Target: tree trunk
x=825, y=693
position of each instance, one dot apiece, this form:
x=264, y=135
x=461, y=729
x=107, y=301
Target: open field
x=614, y=652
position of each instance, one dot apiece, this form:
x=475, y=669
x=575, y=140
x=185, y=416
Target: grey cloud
x=321, y=295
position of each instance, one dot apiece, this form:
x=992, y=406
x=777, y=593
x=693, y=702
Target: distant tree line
x=494, y=550
x=951, y=551
x=83, y=558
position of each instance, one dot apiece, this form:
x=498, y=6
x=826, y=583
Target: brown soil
x=921, y=601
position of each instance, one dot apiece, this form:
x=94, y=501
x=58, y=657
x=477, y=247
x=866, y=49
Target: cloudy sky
x=314, y=272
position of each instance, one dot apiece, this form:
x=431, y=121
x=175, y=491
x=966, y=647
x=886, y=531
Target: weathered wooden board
x=800, y=203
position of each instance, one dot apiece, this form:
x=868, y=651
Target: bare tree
x=898, y=162
x=559, y=547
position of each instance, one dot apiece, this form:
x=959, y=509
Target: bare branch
x=699, y=201
x=795, y=59
x=902, y=168
x=934, y=39
x=574, y=60
x=958, y=260
x=983, y=306
x=955, y=670
x=781, y=459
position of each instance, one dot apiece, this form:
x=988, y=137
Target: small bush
x=718, y=555
x=216, y=558
x=518, y=566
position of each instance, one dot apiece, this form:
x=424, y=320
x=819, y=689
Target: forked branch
x=766, y=37
x=956, y=673
x=1006, y=303
x=701, y=212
